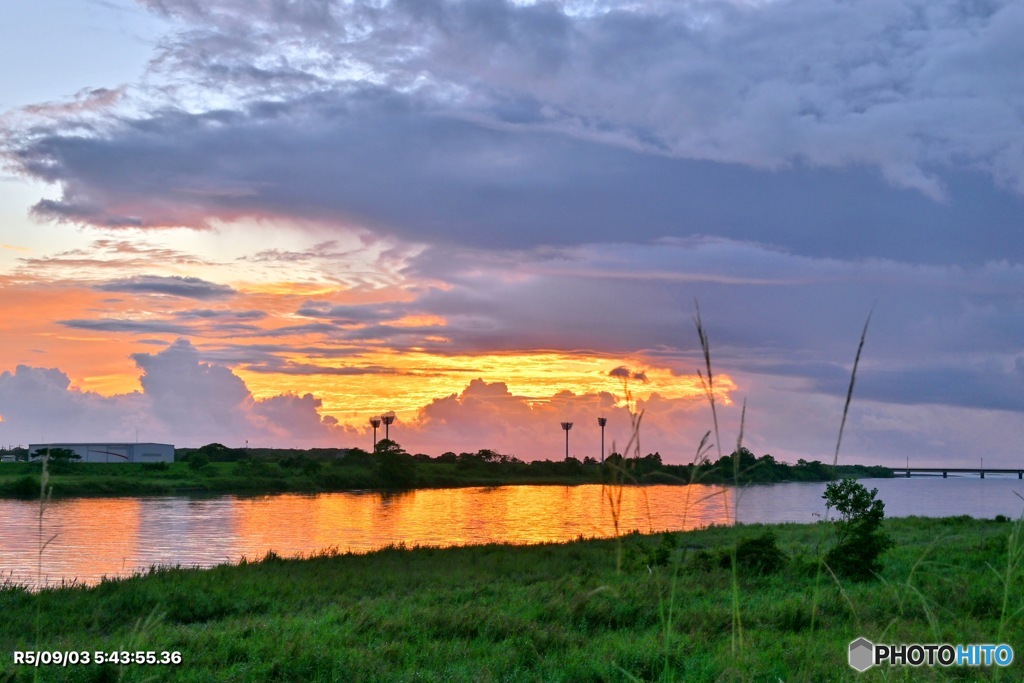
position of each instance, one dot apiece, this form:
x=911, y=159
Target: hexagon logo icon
x=862, y=654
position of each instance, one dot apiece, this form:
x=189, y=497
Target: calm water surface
x=97, y=537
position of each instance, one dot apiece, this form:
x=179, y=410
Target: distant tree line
x=391, y=466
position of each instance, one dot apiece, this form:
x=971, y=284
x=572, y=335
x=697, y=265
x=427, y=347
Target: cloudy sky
x=268, y=220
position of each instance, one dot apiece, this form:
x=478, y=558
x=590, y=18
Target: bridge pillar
x=945, y=475
x=983, y=474
x=908, y=474
x=1020, y=474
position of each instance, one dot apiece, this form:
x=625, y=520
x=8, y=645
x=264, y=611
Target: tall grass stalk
x=707, y=380
x=849, y=389
x=617, y=474
x=737, y=621
x=613, y=491
x=1011, y=574
x=45, y=492
x=815, y=597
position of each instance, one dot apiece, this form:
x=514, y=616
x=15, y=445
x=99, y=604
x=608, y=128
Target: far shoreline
x=247, y=478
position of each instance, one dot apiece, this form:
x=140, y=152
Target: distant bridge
x=946, y=471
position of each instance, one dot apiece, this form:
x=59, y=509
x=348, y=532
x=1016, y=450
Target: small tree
x=859, y=536
x=57, y=455
x=396, y=468
x=60, y=459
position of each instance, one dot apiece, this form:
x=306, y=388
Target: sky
x=265, y=221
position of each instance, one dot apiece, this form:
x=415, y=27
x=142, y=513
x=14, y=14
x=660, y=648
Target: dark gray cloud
x=378, y=160
x=351, y=314
x=322, y=251
x=954, y=385
x=174, y=285
x=216, y=314
x=158, y=326
x=310, y=328
x=401, y=337
x=192, y=322
x=890, y=85
x=508, y=125
x=129, y=326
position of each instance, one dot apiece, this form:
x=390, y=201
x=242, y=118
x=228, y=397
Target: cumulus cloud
x=488, y=415
x=185, y=390
x=296, y=419
x=183, y=400
x=39, y=404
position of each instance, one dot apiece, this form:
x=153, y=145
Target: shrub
x=703, y=560
x=653, y=555
x=759, y=555
x=197, y=460
x=292, y=462
x=26, y=486
x=254, y=468
x=859, y=536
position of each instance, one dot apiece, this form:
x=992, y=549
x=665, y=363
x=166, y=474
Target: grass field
x=541, y=613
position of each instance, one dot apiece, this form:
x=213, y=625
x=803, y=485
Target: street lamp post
x=388, y=420
x=375, y=421
x=567, y=426
x=602, y=421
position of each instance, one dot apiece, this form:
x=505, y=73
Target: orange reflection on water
x=96, y=537
x=78, y=538
x=292, y=524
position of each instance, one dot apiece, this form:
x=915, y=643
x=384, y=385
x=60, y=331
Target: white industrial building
x=112, y=452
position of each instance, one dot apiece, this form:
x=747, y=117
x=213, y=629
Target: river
x=97, y=537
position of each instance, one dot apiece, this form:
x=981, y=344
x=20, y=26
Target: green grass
x=528, y=613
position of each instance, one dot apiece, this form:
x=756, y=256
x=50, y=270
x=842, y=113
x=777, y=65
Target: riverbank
x=546, y=612
x=308, y=475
